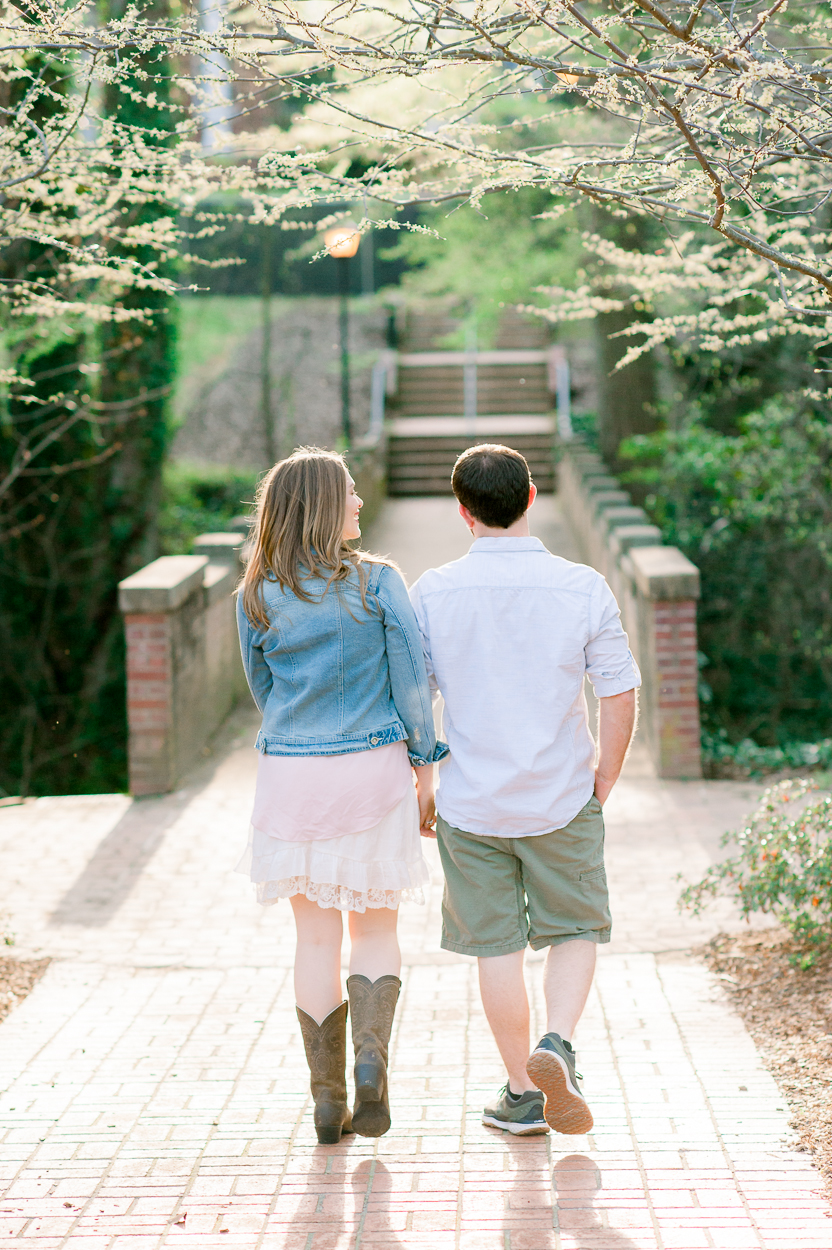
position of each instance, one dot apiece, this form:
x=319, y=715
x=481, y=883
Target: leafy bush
x=754, y=512
x=200, y=498
x=585, y=427
x=783, y=867
x=490, y=256
x=722, y=758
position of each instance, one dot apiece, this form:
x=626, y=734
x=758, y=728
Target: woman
x=334, y=662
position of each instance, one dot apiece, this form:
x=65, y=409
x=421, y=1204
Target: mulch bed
x=18, y=977
x=788, y=1012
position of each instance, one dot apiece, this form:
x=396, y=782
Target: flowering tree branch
x=713, y=119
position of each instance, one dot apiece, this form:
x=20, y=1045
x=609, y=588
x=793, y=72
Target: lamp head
x=342, y=240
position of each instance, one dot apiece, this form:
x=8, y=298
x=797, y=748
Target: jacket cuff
x=439, y=752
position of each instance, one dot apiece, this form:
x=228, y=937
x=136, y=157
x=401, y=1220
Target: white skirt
x=375, y=868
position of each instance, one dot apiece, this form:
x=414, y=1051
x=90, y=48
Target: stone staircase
x=447, y=400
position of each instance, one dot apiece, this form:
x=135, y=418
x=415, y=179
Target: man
x=509, y=632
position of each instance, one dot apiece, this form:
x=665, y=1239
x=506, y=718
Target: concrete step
x=541, y=470
x=454, y=426
x=448, y=402
x=402, y=458
x=515, y=330
x=421, y=451
x=441, y=485
x=424, y=329
x=435, y=383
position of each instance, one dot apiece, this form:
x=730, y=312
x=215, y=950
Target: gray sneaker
x=521, y=1116
x=552, y=1068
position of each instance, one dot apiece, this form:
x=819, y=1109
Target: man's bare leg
x=506, y=1007
x=567, y=981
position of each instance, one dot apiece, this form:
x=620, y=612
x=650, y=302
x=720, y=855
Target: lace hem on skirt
x=376, y=868
x=338, y=896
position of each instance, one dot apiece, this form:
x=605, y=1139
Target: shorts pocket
x=593, y=875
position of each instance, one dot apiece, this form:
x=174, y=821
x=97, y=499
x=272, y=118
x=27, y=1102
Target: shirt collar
x=507, y=546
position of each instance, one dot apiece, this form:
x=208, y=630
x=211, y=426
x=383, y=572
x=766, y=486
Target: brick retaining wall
x=657, y=588
x=184, y=672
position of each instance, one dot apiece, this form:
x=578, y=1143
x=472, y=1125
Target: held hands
x=425, y=796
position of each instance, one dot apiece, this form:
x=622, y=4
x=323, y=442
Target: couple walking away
x=342, y=663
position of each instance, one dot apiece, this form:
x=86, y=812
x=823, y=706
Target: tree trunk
x=627, y=398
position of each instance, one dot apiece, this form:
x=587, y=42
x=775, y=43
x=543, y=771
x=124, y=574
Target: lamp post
x=342, y=242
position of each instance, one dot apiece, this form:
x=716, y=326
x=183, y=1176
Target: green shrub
x=585, y=427
x=721, y=758
x=783, y=866
x=200, y=498
x=754, y=511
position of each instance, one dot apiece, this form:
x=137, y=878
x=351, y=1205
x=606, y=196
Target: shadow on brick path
x=154, y=1089
x=373, y=1186
x=119, y=861
x=577, y=1184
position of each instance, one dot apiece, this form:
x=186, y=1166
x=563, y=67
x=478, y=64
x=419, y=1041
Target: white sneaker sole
x=519, y=1130
x=566, y=1110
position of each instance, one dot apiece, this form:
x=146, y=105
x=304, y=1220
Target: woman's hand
x=425, y=796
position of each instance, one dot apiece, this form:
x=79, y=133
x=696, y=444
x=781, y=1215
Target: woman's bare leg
x=375, y=946
x=318, y=989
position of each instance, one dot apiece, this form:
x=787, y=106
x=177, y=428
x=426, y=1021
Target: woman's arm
x=258, y=673
x=426, y=795
x=406, y=664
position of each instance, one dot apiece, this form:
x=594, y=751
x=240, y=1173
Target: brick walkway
x=154, y=1087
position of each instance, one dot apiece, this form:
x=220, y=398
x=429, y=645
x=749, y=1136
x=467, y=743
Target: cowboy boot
x=372, y=1006
x=326, y=1054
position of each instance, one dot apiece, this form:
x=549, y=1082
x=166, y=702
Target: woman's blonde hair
x=299, y=531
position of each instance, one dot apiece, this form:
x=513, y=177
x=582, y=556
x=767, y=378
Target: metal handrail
x=560, y=386
x=383, y=384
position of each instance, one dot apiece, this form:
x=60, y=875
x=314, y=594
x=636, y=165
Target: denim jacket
x=331, y=677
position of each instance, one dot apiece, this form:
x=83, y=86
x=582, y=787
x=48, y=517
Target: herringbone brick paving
x=154, y=1086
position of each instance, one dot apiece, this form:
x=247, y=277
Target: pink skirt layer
x=343, y=830
x=304, y=798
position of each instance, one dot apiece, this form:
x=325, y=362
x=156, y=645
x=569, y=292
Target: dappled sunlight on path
x=154, y=1089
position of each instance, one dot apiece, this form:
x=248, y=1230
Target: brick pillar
x=149, y=701
x=184, y=672
x=656, y=588
x=677, y=693
x=158, y=603
x=666, y=590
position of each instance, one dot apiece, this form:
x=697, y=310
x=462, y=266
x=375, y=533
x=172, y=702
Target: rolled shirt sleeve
x=610, y=665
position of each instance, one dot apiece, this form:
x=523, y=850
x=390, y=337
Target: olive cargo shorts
x=502, y=894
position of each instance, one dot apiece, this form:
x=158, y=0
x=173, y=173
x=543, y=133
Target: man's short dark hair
x=492, y=482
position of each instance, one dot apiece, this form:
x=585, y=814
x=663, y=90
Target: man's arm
x=616, y=725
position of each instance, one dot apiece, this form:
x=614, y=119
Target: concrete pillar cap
x=162, y=586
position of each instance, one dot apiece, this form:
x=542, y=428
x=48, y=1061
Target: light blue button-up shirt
x=509, y=632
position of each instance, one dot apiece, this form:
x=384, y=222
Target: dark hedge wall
x=62, y=693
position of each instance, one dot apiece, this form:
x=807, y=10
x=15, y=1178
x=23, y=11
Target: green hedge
x=200, y=498
x=754, y=511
